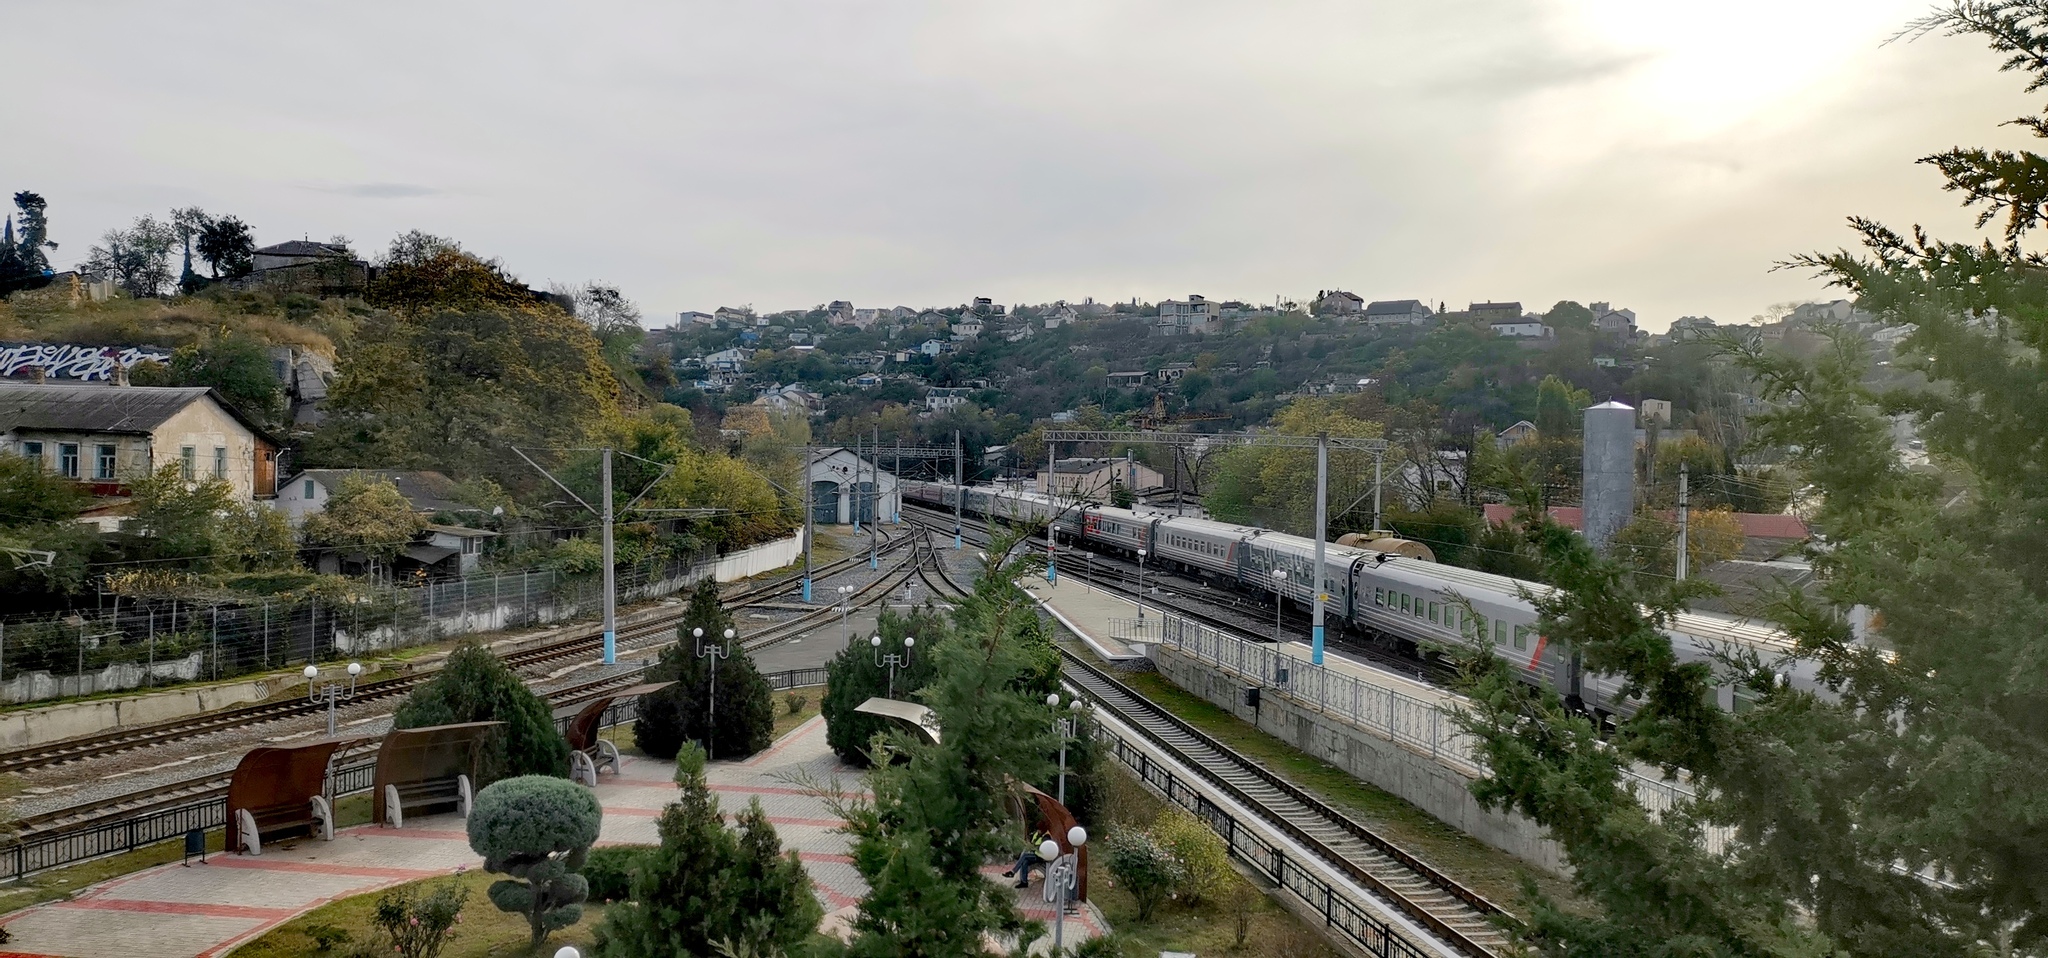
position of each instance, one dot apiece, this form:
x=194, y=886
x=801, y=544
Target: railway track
x=580, y=644
x=1453, y=914
x=208, y=786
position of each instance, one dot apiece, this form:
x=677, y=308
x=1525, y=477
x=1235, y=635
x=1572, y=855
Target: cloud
x=380, y=191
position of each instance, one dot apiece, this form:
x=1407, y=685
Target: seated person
x=1027, y=860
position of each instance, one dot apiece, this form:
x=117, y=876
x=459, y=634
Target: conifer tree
x=852, y=677
x=474, y=685
x=744, y=720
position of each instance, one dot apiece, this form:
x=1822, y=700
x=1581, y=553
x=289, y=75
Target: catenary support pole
x=611, y=625
x=1322, y=535
x=1683, y=517
x=896, y=479
x=1052, y=573
x=959, y=489
x=1379, y=457
x=874, y=501
x=805, y=478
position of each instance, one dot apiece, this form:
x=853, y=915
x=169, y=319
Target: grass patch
x=1473, y=863
x=485, y=932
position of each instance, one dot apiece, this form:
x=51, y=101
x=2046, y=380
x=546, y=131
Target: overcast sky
x=788, y=153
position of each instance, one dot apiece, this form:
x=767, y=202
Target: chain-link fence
x=139, y=643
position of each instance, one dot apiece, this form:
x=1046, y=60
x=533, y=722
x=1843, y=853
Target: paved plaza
x=206, y=910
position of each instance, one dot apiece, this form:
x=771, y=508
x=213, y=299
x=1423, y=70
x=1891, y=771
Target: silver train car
x=1413, y=600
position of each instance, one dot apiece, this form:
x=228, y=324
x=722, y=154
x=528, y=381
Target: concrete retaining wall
x=1421, y=781
x=51, y=723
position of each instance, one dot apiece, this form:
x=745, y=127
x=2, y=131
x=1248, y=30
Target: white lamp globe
x=1053, y=700
x=355, y=668
x=1077, y=836
x=697, y=632
x=910, y=641
x=875, y=640
x=729, y=634
x=312, y=671
x=568, y=951
x=1048, y=849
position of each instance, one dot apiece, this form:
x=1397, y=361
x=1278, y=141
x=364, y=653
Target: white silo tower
x=1610, y=471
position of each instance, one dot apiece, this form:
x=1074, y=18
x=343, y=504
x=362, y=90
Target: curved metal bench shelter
x=588, y=753
x=424, y=770
x=280, y=791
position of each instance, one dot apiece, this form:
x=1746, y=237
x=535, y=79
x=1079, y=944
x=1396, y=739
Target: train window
x=1404, y=601
x=1500, y=632
x=1521, y=636
x=1379, y=596
x=1418, y=607
x=1432, y=613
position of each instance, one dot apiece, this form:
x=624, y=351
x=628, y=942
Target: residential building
x=106, y=435
x=1654, y=410
x=1531, y=327
x=1096, y=479
x=966, y=329
x=691, y=317
x=934, y=347
x=942, y=398
x=1397, y=312
x=730, y=360
x=1515, y=435
x=1179, y=317
x=983, y=306
x=1691, y=327
x=899, y=313
x=792, y=398
x=1336, y=302
x=1061, y=314
x=1172, y=372
x=1495, y=312
x=307, y=491
x=297, y=253
x=738, y=316
x=1135, y=377
x=1618, y=322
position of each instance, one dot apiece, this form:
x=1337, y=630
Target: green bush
x=1204, y=858
x=609, y=870
x=1142, y=866
x=745, y=721
x=419, y=922
x=852, y=677
x=538, y=830
x=474, y=686
x=707, y=883
x=794, y=702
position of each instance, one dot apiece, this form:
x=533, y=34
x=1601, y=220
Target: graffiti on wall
x=72, y=361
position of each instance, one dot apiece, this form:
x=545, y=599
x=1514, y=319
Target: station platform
x=206, y=910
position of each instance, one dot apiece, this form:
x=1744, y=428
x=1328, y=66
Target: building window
x=188, y=463
x=220, y=462
x=67, y=459
x=103, y=463
x=33, y=452
x=309, y=494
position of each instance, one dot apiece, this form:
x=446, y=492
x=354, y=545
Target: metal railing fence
x=90, y=840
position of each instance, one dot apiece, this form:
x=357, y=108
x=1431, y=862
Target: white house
x=1179, y=317
x=106, y=435
x=308, y=490
x=1530, y=327
x=690, y=317
x=933, y=347
x=942, y=398
x=968, y=328
x=846, y=488
x=1060, y=314
x=731, y=360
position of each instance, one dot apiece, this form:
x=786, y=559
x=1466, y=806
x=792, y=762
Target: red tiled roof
x=1755, y=525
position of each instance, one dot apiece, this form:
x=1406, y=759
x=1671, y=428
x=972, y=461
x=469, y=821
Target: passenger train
x=1411, y=599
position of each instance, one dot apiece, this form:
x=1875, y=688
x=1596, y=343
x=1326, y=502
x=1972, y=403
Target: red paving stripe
x=321, y=868
x=443, y=834
x=26, y=954
x=732, y=789
x=797, y=734
x=631, y=812
x=838, y=898
x=179, y=908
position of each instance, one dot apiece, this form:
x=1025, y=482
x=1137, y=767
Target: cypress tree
x=745, y=719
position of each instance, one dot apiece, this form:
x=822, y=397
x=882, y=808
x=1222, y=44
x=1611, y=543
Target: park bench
x=425, y=797
x=281, y=791
x=252, y=825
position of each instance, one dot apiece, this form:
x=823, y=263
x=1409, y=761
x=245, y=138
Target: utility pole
x=805, y=478
x=1322, y=534
x=1052, y=574
x=959, y=489
x=611, y=634
x=1682, y=519
x=896, y=517
x=1378, y=458
x=874, y=501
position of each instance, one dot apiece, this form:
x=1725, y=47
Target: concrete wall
x=1421, y=781
x=30, y=727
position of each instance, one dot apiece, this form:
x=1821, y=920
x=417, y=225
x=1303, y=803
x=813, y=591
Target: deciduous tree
x=366, y=517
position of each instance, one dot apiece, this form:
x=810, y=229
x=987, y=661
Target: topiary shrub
x=475, y=686
x=1143, y=867
x=538, y=830
x=609, y=870
x=745, y=721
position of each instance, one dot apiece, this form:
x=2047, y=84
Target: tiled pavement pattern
x=206, y=910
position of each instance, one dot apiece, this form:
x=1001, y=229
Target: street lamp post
x=892, y=659
x=1064, y=725
x=1062, y=876
x=845, y=603
x=1141, y=585
x=333, y=691
x=714, y=652
x=1279, y=585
